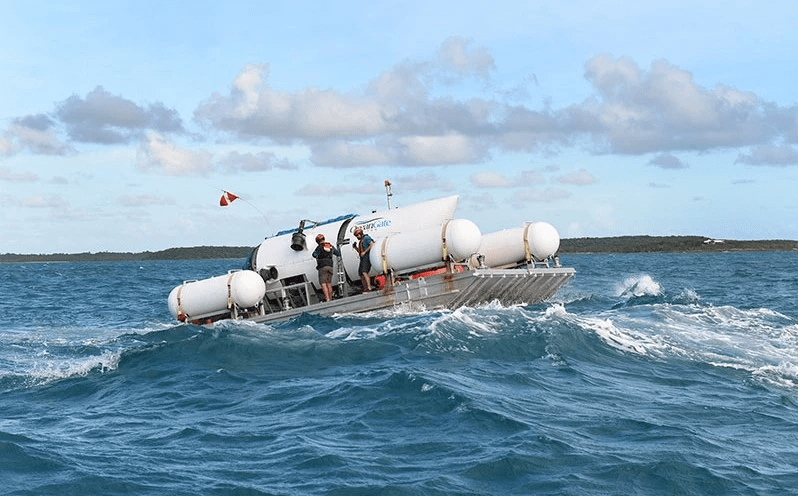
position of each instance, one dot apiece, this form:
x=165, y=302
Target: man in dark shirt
x=324, y=263
x=363, y=246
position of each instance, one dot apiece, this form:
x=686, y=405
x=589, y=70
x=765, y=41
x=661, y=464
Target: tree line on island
x=618, y=244
x=673, y=244
x=189, y=253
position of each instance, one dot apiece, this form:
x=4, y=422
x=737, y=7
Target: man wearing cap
x=363, y=246
x=324, y=263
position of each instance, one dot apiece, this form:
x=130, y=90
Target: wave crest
x=640, y=285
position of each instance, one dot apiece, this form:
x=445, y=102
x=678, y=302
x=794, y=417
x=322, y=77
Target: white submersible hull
x=422, y=257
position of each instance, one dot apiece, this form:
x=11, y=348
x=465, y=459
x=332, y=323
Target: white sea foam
x=476, y=322
x=352, y=333
x=557, y=309
x=464, y=316
x=758, y=340
x=639, y=285
x=617, y=337
x=52, y=369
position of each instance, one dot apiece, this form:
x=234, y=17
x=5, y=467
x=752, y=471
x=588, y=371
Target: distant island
x=191, y=253
x=672, y=244
x=618, y=244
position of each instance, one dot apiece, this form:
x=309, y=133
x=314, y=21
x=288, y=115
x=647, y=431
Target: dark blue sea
x=649, y=374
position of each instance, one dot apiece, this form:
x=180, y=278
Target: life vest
x=324, y=255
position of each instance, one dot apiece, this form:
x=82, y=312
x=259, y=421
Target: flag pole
x=228, y=198
x=388, y=192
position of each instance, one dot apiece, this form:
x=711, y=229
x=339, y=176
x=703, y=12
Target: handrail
x=284, y=297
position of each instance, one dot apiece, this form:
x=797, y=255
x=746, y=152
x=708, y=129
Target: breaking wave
x=653, y=323
x=641, y=285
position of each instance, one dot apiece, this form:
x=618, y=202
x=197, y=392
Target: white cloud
x=579, y=178
x=157, y=154
x=490, y=179
x=484, y=201
x=318, y=190
x=425, y=181
x=439, y=150
x=36, y=133
x=392, y=121
x=253, y=109
x=664, y=109
x=251, y=162
x=6, y=145
x=400, y=118
x=38, y=201
x=773, y=155
x=8, y=175
x=144, y=200
x=352, y=154
x=528, y=177
x=532, y=195
x=108, y=119
x=454, y=55
x=667, y=161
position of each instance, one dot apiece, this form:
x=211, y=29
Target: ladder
x=341, y=276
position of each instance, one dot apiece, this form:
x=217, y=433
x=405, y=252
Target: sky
x=122, y=123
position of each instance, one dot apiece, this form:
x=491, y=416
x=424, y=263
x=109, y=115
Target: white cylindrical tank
x=502, y=248
x=413, y=250
x=543, y=239
x=510, y=246
x=198, y=299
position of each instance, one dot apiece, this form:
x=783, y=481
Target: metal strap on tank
x=180, y=301
x=230, y=290
x=384, y=255
x=445, y=249
x=527, y=254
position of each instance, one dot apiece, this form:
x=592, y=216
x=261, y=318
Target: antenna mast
x=388, y=192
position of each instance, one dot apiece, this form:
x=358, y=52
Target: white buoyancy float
x=534, y=241
x=216, y=295
x=408, y=251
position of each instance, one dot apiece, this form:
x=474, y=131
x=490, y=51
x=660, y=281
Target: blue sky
x=122, y=122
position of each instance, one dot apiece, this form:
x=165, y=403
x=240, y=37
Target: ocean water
x=648, y=374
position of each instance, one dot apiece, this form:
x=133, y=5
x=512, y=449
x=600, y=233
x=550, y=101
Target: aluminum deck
x=448, y=290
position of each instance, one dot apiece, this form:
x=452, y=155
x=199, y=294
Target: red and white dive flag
x=226, y=199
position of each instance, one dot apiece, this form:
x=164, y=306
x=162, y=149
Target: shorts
x=325, y=275
x=365, y=265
